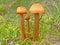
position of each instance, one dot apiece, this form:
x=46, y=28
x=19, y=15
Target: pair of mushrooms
x=36, y=9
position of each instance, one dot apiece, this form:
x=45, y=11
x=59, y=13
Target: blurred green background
x=10, y=22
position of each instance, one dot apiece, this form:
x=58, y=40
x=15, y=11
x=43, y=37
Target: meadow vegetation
x=49, y=30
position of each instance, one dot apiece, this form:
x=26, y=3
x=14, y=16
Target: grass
x=10, y=24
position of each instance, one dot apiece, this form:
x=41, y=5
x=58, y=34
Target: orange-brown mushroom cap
x=27, y=17
x=21, y=10
x=37, y=8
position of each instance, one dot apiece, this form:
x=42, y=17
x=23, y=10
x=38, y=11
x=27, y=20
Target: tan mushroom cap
x=27, y=17
x=21, y=10
x=37, y=8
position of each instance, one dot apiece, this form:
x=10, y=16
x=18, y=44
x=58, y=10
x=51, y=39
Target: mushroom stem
x=22, y=28
x=28, y=29
x=36, y=28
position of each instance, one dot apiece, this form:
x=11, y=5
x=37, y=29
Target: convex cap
x=21, y=10
x=37, y=8
x=27, y=17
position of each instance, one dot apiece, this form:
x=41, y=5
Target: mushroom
x=22, y=10
x=28, y=26
x=36, y=9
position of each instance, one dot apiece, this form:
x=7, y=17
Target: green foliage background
x=9, y=20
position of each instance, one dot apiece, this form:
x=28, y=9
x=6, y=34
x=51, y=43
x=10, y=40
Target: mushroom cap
x=37, y=8
x=21, y=10
x=27, y=17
